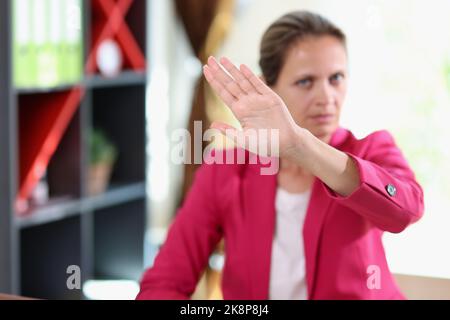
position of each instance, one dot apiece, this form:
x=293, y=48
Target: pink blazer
x=344, y=253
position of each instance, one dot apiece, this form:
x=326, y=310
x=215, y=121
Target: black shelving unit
x=9, y=261
x=102, y=234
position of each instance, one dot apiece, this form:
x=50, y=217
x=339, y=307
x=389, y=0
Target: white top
x=287, y=270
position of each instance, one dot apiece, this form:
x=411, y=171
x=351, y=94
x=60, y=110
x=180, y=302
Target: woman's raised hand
x=255, y=105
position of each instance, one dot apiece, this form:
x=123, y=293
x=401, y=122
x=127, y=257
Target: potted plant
x=103, y=154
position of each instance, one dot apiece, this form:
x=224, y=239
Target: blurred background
x=92, y=91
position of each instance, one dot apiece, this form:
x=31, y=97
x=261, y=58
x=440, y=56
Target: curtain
x=206, y=23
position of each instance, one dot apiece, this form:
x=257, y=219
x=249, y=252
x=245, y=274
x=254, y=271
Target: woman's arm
x=192, y=237
x=257, y=107
x=381, y=187
x=333, y=167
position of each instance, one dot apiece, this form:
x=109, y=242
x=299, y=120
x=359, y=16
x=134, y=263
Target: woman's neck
x=294, y=178
x=289, y=166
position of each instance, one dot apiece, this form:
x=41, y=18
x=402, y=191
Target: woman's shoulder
x=374, y=141
x=378, y=137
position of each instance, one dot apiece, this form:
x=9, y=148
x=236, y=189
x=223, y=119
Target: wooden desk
x=423, y=288
x=10, y=297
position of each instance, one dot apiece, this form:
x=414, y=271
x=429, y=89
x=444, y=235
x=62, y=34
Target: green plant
x=102, y=150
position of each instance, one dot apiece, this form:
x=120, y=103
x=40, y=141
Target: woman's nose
x=325, y=94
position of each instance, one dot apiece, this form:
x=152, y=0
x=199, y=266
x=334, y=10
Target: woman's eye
x=304, y=82
x=335, y=79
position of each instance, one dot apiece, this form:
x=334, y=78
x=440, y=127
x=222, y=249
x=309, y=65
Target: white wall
x=397, y=51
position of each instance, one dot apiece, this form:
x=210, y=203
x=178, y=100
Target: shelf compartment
x=47, y=252
x=109, y=20
x=120, y=113
x=43, y=119
x=64, y=167
x=119, y=241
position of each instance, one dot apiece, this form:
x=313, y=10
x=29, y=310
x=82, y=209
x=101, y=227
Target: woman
x=312, y=231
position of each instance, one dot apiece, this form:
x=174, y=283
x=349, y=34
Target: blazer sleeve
x=388, y=195
x=193, y=235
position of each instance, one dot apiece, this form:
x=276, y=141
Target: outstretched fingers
x=227, y=81
x=232, y=84
x=260, y=86
x=241, y=80
x=218, y=87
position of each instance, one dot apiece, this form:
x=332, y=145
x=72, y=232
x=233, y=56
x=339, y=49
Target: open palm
x=255, y=105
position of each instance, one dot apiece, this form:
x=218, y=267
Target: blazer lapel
x=312, y=229
x=317, y=211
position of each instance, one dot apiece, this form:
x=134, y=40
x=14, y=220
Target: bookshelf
x=47, y=128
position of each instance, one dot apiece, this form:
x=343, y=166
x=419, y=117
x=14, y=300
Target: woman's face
x=313, y=84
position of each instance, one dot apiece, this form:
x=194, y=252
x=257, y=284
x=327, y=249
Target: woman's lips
x=324, y=118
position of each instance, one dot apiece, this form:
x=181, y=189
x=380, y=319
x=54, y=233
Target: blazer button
x=391, y=190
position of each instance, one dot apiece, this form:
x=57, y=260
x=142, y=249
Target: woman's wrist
x=297, y=146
